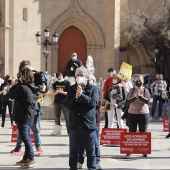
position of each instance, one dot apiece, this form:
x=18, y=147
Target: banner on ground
x=135, y=143
x=111, y=136
x=126, y=71
x=15, y=134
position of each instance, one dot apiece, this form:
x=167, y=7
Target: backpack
x=40, y=79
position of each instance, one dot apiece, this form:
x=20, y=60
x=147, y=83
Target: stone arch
x=76, y=17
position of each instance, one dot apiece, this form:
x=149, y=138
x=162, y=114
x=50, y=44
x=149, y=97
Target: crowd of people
x=80, y=104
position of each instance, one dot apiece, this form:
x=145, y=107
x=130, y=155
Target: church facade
x=87, y=27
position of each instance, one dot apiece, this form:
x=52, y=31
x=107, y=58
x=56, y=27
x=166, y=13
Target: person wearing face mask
x=116, y=96
x=80, y=165
x=72, y=65
x=157, y=87
x=82, y=100
x=138, y=112
x=107, y=84
x=60, y=88
x=5, y=100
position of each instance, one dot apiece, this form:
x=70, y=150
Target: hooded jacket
x=82, y=113
x=25, y=96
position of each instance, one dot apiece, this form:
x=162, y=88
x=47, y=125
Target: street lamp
x=156, y=50
x=46, y=42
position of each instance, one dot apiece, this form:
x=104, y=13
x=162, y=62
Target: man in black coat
x=72, y=65
x=82, y=99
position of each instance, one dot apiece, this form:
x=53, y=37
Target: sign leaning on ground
x=165, y=124
x=15, y=134
x=111, y=136
x=135, y=143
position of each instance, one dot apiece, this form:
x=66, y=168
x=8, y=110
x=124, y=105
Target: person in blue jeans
x=35, y=127
x=25, y=96
x=81, y=101
x=80, y=165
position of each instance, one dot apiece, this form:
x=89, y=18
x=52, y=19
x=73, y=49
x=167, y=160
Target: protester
x=36, y=127
x=138, y=112
x=25, y=96
x=60, y=88
x=82, y=99
x=5, y=100
x=157, y=87
x=115, y=97
x=72, y=65
x=107, y=84
x=80, y=165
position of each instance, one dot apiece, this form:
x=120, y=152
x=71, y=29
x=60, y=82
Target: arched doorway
x=71, y=40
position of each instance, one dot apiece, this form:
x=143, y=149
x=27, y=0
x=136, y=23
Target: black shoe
x=168, y=135
x=145, y=155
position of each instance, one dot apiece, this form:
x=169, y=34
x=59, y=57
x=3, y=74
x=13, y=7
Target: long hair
x=6, y=78
x=27, y=76
x=23, y=64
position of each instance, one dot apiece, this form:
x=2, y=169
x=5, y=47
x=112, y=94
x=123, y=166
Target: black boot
x=168, y=135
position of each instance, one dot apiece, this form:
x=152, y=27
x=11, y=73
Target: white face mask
x=74, y=58
x=60, y=80
x=114, y=81
x=80, y=80
x=111, y=74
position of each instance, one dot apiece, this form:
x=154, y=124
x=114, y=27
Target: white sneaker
x=160, y=119
x=151, y=119
x=80, y=166
x=98, y=167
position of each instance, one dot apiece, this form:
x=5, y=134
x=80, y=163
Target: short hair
x=83, y=69
x=139, y=76
x=58, y=74
x=27, y=76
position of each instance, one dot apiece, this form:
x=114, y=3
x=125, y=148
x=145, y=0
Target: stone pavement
x=56, y=149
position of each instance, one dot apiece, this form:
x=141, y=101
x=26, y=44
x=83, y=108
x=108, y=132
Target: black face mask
x=9, y=81
x=138, y=83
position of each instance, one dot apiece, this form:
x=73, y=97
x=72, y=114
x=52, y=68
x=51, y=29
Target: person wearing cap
x=107, y=84
x=157, y=87
x=116, y=97
x=72, y=65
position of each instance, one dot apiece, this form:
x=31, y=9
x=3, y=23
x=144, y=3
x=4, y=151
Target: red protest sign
x=15, y=134
x=165, y=124
x=111, y=136
x=135, y=143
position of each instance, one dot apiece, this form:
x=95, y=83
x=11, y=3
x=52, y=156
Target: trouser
x=57, y=112
x=89, y=138
x=111, y=117
x=106, y=120
x=97, y=149
x=35, y=127
x=24, y=132
x=140, y=120
x=10, y=105
x=157, y=98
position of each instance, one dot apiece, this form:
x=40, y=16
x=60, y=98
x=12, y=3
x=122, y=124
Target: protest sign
x=15, y=134
x=126, y=71
x=135, y=143
x=111, y=136
x=165, y=124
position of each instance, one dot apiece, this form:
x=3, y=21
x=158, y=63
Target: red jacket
x=107, y=83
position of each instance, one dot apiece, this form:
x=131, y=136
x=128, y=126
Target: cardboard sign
x=165, y=124
x=111, y=136
x=135, y=143
x=126, y=71
x=15, y=134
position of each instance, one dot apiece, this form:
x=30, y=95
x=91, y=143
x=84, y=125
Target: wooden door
x=71, y=40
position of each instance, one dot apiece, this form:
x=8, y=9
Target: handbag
x=125, y=114
x=108, y=107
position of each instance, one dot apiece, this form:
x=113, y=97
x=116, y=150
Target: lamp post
x=46, y=43
x=156, y=50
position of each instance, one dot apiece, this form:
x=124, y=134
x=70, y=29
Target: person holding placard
x=138, y=112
